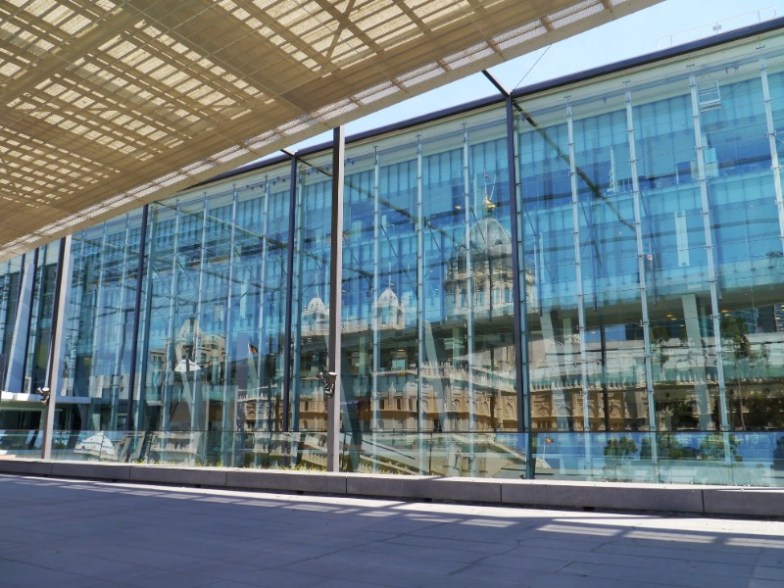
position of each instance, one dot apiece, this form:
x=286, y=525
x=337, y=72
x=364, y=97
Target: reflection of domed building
x=315, y=318
x=388, y=311
x=459, y=377
x=480, y=277
x=489, y=236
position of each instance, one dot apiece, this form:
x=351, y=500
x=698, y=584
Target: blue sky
x=669, y=23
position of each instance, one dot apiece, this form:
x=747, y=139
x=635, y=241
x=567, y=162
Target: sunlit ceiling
x=107, y=104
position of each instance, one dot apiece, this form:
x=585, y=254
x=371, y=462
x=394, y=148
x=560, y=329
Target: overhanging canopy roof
x=107, y=104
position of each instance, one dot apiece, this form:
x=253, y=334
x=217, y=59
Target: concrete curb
x=614, y=496
x=26, y=467
x=743, y=501
x=270, y=480
x=179, y=476
x=93, y=471
x=700, y=500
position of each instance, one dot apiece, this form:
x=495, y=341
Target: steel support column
x=335, y=300
x=53, y=371
x=137, y=305
x=519, y=292
x=289, y=340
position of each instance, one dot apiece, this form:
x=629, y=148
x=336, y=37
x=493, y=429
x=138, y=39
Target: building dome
x=388, y=299
x=315, y=318
x=490, y=237
x=317, y=306
x=388, y=311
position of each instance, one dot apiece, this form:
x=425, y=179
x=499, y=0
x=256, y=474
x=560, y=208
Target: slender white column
x=375, y=422
x=420, y=289
x=258, y=387
x=119, y=321
x=230, y=421
x=578, y=268
x=55, y=366
x=95, y=384
x=774, y=151
x=643, y=280
x=173, y=306
x=336, y=300
x=709, y=251
x=145, y=313
x=198, y=390
x=469, y=285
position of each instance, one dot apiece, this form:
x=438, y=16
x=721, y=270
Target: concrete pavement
x=58, y=532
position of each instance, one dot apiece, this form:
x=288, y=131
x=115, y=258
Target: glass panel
x=580, y=254
x=42, y=314
x=256, y=312
x=99, y=321
x=310, y=296
x=10, y=292
x=428, y=305
x=755, y=459
x=650, y=232
x=214, y=300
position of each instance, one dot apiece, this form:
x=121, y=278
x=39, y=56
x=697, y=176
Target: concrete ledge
x=184, y=476
x=26, y=467
x=767, y=502
x=701, y=500
x=425, y=488
x=636, y=497
x=464, y=489
x=388, y=486
x=91, y=470
x=316, y=483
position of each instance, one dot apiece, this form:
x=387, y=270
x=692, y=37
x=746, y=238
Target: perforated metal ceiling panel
x=106, y=104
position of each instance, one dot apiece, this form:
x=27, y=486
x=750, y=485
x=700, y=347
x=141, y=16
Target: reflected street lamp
x=45, y=395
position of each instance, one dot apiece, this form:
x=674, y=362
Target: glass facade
x=583, y=281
